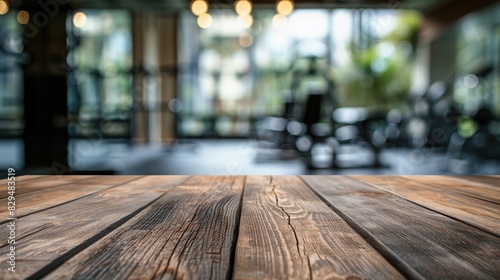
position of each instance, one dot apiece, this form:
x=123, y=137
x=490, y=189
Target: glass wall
x=11, y=92
x=232, y=75
x=100, y=78
x=478, y=62
x=477, y=84
x=11, y=77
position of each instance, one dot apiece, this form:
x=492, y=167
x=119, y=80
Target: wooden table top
x=253, y=227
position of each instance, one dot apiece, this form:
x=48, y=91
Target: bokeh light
x=246, y=40
x=4, y=7
x=80, y=19
x=245, y=21
x=285, y=7
x=199, y=7
x=279, y=21
x=23, y=17
x=204, y=21
x=243, y=7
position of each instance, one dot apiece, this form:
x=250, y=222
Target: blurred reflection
x=11, y=87
x=100, y=84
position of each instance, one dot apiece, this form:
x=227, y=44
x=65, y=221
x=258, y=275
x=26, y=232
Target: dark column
x=45, y=85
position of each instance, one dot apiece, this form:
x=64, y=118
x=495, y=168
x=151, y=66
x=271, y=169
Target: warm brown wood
x=420, y=242
x=287, y=232
x=493, y=181
x=23, y=269
x=480, y=213
x=462, y=184
x=53, y=233
x=188, y=233
x=23, y=179
x=25, y=184
x=259, y=227
x=55, y=195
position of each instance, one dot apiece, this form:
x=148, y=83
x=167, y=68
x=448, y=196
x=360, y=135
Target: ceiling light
x=23, y=17
x=80, y=20
x=199, y=7
x=4, y=7
x=245, y=21
x=204, y=21
x=285, y=7
x=243, y=7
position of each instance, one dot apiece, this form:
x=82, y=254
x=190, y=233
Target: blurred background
x=250, y=87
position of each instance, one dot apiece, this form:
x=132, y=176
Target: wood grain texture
x=493, y=181
x=188, y=233
x=23, y=269
x=480, y=213
x=47, y=238
x=463, y=185
x=420, y=242
x=24, y=178
x=326, y=227
x=287, y=232
x=25, y=184
x=52, y=196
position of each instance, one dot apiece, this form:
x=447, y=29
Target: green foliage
x=380, y=72
x=466, y=127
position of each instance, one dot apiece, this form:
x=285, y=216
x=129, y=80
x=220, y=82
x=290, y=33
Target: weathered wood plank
x=480, y=213
x=461, y=185
x=24, y=178
x=47, y=238
x=23, y=269
x=493, y=181
x=25, y=184
x=187, y=233
x=45, y=198
x=287, y=232
x=420, y=242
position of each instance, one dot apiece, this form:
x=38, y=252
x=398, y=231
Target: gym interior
x=223, y=87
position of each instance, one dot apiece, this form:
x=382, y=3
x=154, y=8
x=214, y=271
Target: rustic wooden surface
x=483, y=214
x=33, y=183
x=286, y=230
x=254, y=227
x=479, y=187
x=422, y=243
x=37, y=200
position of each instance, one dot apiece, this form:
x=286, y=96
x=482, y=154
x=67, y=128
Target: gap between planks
x=287, y=232
x=462, y=185
x=26, y=184
x=59, y=233
x=40, y=200
x=467, y=209
x=420, y=242
x=169, y=239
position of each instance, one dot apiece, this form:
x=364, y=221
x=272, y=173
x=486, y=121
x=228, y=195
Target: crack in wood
x=288, y=218
x=310, y=268
x=179, y=241
x=210, y=227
